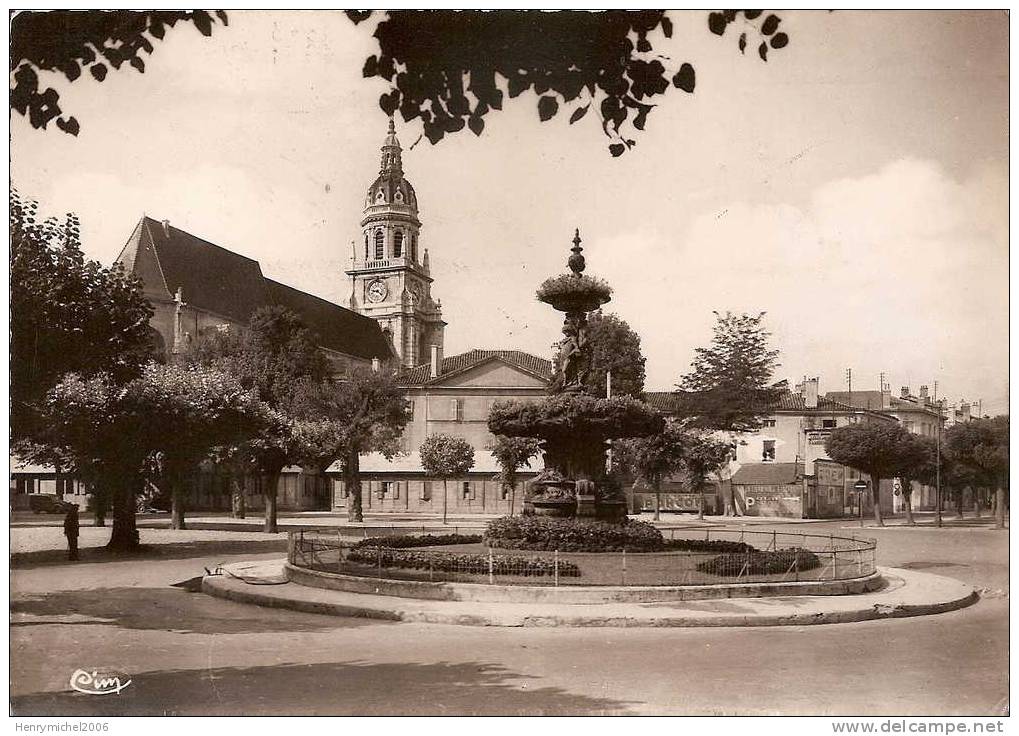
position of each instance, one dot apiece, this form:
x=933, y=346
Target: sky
x=854, y=188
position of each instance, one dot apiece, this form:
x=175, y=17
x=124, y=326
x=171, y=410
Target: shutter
x=426, y=490
x=474, y=489
x=396, y=489
x=454, y=408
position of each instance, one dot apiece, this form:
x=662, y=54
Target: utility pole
x=849, y=380
x=937, y=464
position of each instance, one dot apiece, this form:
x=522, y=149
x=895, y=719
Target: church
x=391, y=322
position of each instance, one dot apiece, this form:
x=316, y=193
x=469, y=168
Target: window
x=828, y=423
x=384, y=487
x=426, y=490
x=456, y=409
x=366, y=246
x=413, y=247
x=468, y=492
x=768, y=451
x=380, y=250
x=398, y=245
x=768, y=423
x=504, y=492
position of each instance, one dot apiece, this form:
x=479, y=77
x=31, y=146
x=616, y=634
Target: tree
x=190, y=411
x=277, y=357
x=445, y=457
x=452, y=69
x=68, y=42
x=98, y=428
x=653, y=458
x=512, y=454
x=916, y=461
x=878, y=449
x=68, y=314
x=703, y=456
x=981, y=447
x=365, y=412
x=729, y=387
x=616, y=348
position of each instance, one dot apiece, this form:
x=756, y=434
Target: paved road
x=190, y=654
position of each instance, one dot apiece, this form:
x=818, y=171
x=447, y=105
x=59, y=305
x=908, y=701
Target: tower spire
x=392, y=161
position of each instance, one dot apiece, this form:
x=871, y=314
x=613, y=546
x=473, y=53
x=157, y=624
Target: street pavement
x=187, y=653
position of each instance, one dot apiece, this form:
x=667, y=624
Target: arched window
x=366, y=246
x=398, y=245
x=414, y=247
x=380, y=251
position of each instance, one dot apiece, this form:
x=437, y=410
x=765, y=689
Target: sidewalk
x=908, y=593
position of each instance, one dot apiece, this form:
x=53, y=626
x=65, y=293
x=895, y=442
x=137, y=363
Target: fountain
x=573, y=424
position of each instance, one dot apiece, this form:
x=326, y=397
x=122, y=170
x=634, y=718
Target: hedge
x=405, y=541
x=761, y=563
x=571, y=535
x=472, y=564
x=707, y=545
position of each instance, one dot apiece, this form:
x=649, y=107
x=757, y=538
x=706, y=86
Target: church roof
x=335, y=327
x=422, y=374
x=216, y=280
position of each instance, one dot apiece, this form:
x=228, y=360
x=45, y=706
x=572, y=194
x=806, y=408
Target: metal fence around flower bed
x=731, y=556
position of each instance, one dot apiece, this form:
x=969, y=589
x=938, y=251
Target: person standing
x=71, y=532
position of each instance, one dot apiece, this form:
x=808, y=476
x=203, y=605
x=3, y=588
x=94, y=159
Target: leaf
x=779, y=41
x=516, y=86
x=716, y=23
x=138, y=64
x=98, y=71
x=685, y=78
x=389, y=102
x=476, y=124
x=617, y=149
x=221, y=14
x=751, y=14
x=666, y=26
x=763, y=50
x=770, y=25
x=638, y=122
x=371, y=66
x=203, y=22
x=358, y=16
x=742, y=42
x=548, y=106
x=69, y=126
x=643, y=45
x=579, y=113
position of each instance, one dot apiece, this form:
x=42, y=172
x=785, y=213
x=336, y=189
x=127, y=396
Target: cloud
x=901, y=271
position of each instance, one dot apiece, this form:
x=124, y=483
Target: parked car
x=42, y=503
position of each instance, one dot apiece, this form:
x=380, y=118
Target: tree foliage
x=68, y=314
x=880, y=449
x=452, y=69
x=70, y=42
x=979, y=455
x=512, y=454
x=615, y=347
x=653, y=458
x=444, y=456
x=730, y=385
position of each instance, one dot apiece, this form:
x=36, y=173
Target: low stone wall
x=445, y=591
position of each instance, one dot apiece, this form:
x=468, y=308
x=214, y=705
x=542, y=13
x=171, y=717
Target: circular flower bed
x=755, y=562
x=571, y=535
x=575, y=415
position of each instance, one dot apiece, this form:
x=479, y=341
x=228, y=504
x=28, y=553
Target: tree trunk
x=445, y=499
x=907, y=499
x=124, y=536
x=700, y=502
x=977, y=501
x=658, y=500
x=875, y=494
x=999, y=506
x=177, y=494
x=958, y=504
x=238, y=496
x=513, y=496
x=352, y=484
x=269, y=493
x=100, y=504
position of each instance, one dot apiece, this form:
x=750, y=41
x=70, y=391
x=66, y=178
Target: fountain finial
x=576, y=261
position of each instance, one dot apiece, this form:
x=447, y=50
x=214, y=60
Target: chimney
x=376, y=364
x=886, y=396
x=923, y=396
x=436, y=361
x=166, y=228
x=810, y=393
x=904, y=392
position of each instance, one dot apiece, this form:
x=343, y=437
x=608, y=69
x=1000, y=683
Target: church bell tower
x=390, y=274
